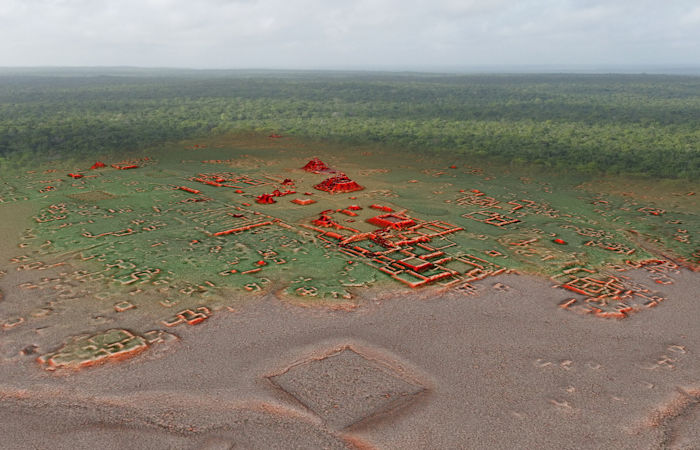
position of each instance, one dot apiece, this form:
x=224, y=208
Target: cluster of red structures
x=324, y=220
x=278, y=193
x=217, y=181
x=401, y=248
x=339, y=183
x=100, y=165
x=266, y=199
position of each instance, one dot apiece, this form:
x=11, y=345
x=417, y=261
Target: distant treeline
x=632, y=124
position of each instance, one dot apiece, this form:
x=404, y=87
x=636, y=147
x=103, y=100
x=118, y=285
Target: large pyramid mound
x=338, y=184
x=317, y=166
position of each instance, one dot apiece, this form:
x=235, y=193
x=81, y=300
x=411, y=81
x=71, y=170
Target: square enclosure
x=345, y=387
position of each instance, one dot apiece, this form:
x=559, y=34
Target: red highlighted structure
x=266, y=199
x=190, y=190
x=125, y=167
x=338, y=184
x=317, y=166
x=304, y=201
x=393, y=221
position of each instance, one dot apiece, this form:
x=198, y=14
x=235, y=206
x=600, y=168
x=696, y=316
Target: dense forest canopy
x=633, y=124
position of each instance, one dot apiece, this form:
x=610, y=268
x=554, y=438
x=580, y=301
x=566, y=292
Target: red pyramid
x=337, y=184
x=317, y=166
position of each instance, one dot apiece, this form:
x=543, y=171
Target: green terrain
x=632, y=124
x=202, y=199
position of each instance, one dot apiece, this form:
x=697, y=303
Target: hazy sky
x=348, y=33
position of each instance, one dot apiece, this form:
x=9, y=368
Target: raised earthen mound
x=394, y=221
x=265, y=199
x=338, y=184
x=317, y=166
x=324, y=220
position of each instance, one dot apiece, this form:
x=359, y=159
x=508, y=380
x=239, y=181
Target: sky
x=349, y=34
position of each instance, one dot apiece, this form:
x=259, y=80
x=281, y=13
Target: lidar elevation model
x=139, y=246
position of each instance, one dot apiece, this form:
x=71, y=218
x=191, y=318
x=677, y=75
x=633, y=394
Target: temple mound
x=338, y=184
x=317, y=166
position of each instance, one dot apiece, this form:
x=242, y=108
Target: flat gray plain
x=504, y=369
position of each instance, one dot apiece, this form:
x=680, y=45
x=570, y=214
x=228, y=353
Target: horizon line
x=656, y=69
